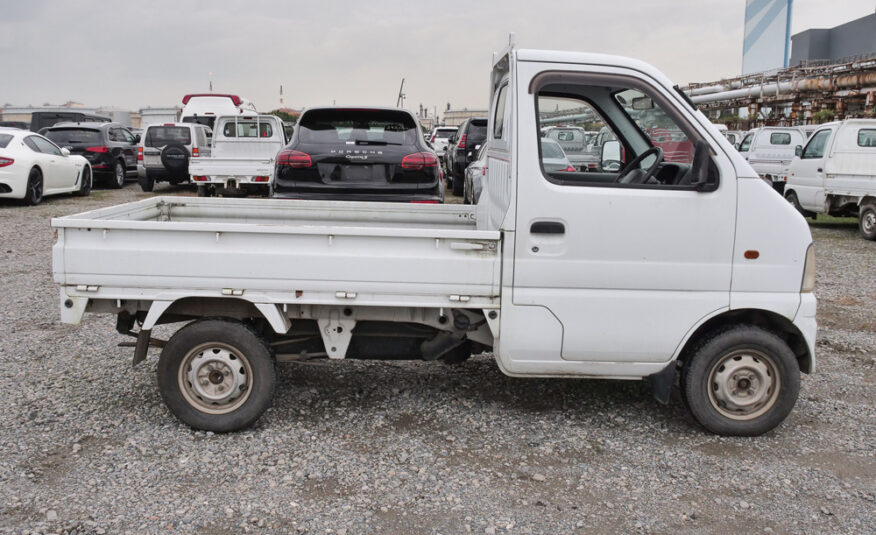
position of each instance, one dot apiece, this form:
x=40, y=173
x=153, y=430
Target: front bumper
x=805, y=321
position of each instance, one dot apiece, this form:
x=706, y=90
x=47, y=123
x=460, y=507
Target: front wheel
x=867, y=221
x=85, y=184
x=217, y=375
x=741, y=381
x=147, y=183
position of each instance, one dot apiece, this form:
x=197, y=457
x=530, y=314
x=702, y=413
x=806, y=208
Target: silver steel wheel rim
x=744, y=384
x=869, y=221
x=215, y=378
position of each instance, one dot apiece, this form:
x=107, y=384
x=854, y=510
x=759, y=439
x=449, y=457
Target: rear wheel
x=33, y=194
x=203, y=191
x=119, y=175
x=741, y=381
x=791, y=197
x=867, y=221
x=217, y=375
x=457, y=185
x=85, y=183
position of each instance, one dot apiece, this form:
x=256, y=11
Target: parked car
x=553, y=158
x=474, y=176
x=734, y=137
x=375, y=154
x=45, y=119
x=166, y=149
x=573, y=140
x=242, y=158
x=770, y=150
x=110, y=148
x=203, y=108
x=835, y=173
x=438, y=138
x=15, y=124
x=461, y=150
x=701, y=278
x=32, y=167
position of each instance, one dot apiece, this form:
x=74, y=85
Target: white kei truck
x=244, y=149
x=835, y=173
x=664, y=270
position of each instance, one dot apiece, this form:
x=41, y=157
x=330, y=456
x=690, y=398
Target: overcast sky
x=150, y=53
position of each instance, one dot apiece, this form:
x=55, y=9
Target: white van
x=836, y=173
x=770, y=150
x=203, y=108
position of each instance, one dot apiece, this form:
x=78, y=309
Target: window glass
x=4, y=140
x=200, y=133
x=247, y=129
x=30, y=144
x=444, y=133
x=817, y=144
x=74, y=136
x=746, y=143
x=45, y=146
x=780, y=138
x=159, y=136
x=359, y=127
x=499, y=117
x=129, y=137
x=656, y=125
x=867, y=137
x=115, y=134
x=551, y=149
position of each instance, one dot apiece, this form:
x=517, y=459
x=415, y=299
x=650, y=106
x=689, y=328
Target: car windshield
x=74, y=136
x=159, y=136
x=4, y=140
x=551, y=150
x=357, y=127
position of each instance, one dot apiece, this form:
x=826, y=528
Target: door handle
x=547, y=227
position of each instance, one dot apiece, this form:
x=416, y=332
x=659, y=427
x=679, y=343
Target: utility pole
x=400, y=102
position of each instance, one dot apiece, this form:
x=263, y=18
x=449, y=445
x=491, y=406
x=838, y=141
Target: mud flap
x=662, y=381
x=142, y=346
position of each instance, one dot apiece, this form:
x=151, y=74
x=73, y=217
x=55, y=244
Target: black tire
x=741, y=381
x=203, y=191
x=234, y=362
x=85, y=183
x=459, y=355
x=120, y=174
x=867, y=221
x=465, y=191
x=175, y=158
x=33, y=195
x=457, y=186
x=147, y=183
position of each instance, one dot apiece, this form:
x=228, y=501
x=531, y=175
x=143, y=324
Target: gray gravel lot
x=415, y=447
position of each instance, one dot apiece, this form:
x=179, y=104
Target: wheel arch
x=187, y=308
x=766, y=319
x=867, y=199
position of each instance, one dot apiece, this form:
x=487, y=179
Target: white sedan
x=31, y=167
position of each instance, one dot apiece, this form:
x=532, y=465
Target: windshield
x=358, y=127
x=74, y=136
x=444, y=134
x=159, y=136
x=658, y=127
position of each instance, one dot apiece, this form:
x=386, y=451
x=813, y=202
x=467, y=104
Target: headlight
x=809, y=270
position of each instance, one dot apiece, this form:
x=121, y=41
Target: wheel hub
x=743, y=385
x=869, y=221
x=216, y=377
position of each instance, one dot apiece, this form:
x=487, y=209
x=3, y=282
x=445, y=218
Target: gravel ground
x=398, y=448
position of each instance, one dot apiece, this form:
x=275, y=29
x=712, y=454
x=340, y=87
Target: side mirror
x=136, y=138
x=611, y=156
x=798, y=151
x=65, y=151
x=736, y=146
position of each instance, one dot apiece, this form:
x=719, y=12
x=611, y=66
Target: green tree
x=285, y=116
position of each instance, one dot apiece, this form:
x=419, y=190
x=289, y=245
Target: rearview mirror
x=65, y=151
x=798, y=151
x=610, y=158
x=643, y=103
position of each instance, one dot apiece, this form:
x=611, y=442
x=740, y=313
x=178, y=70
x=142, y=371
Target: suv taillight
x=139, y=154
x=195, y=153
x=294, y=158
x=98, y=149
x=462, y=141
x=419, y=160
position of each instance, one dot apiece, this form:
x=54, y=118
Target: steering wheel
x=632, y=174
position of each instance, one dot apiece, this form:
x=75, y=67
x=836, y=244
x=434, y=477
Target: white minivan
x=835, y=173
x=770, y=149
x=203, y=108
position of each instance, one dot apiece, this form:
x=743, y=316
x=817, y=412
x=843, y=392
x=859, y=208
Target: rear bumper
x=372, y=197
x=236, y=179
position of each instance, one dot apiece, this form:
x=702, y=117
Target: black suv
x=110, y=148
x=462, y=149
x=361, y=154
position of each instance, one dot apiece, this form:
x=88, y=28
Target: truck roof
x=561, y=56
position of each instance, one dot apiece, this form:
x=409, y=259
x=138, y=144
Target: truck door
x=808, y=172
x=626, y=263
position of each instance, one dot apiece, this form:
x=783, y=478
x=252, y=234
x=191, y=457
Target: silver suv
x=165, y=150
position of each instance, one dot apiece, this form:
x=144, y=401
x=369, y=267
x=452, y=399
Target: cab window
x=499, y=117
x=816, y=146
x=780, y=138
x=746, y=143
x=867, y=137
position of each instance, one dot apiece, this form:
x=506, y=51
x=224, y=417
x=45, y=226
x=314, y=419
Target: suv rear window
x=159, y=136
x=247, y=129
x=478, y=129
x=359, y=127
x=74, y=136
x=4, y=140
x=444, y=134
